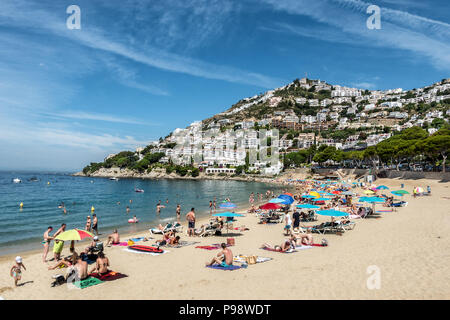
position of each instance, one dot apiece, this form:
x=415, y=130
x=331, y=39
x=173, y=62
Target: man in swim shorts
x=58, y=246
x=94, y=223
x=178, y=211
x=46, y=242
x=113, y=238
x=224, y=258
x=190, y=217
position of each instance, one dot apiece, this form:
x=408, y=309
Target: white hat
x=95, y=238
x=19, y=259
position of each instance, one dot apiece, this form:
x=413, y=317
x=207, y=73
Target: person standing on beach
x=16, y=270
x=210, y=207
x=46, y=242
x=214, y=205
x=190, y=217
x=95, y=224
x=60, y=230
x=88, y=224
x=178, y=212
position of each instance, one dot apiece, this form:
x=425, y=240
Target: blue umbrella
x=308, y=196
x=382, y=188
x=227, y=205
x=287, y=198
x=307, y=206
x=332, y=213
x=228, y=214
x=277, y=200
x=321, y=199
x=372, y=200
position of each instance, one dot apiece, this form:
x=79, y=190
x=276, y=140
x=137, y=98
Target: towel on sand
x=270, y=249
x=120, y=244
x=110, y=276
x=180, y=245
x=89, y=282
x=229, y=268
x=242, y=259
x=142, y=252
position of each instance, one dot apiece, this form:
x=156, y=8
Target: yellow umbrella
x=74, y=234
x=369, y=192
x=315, y=194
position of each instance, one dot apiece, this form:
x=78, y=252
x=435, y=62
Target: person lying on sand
x=65, y=262
x=223, y=258
x=113, y=238
x=165, y=239
x=286, y=246
x=101, y=265
x=303, y=238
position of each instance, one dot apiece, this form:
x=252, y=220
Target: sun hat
x=19, y=259
x=95, y=238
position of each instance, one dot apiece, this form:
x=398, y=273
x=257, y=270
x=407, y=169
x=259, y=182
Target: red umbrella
x=270, y=206
x=336, y=192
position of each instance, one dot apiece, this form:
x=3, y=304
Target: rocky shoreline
x=161, y=174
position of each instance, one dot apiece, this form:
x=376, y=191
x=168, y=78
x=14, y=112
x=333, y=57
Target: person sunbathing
x=165, y=239
x=303, y=238
x=101, y=265
x=286, y=246
x=81, y=268
x=113, y=238
x=66, y=262
x=223, y=258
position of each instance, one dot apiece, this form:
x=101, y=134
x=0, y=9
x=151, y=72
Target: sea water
x=22, y=229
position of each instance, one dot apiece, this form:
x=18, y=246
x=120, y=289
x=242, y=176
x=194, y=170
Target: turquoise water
x=22, y=229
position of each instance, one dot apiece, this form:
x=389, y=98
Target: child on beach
x=16, y=270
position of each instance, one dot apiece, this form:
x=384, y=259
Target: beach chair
x=168, y=227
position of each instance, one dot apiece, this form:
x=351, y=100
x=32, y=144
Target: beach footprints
x=373, y=282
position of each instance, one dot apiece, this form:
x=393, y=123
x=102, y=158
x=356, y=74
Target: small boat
x=17, y=180
x=139, y=190
x=33, y=179
x=114, y=179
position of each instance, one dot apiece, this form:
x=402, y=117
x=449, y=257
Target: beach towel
x=89, y=282
x=208, y=247
x=383, y=211
x=150, y=253
x=110, y=276
x=229, y=268
x=181, y=244
x=241, y=259
x=136, y=239
x=303, y=247
x=270, y=249
x=120, y=244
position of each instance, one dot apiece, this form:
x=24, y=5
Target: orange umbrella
x=289, y=194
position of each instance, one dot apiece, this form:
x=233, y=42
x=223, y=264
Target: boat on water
x=17, y=180
x=138, y=190
x=114, y=179
x=33, y=179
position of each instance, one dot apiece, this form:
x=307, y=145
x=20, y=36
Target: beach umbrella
x=307, y=206
x=307, y=196
x=336, y=192
x=328, y=194
x=321, y=199
x=277, y=200
x=227, y=205
x=419, y=190
x=228, y=215
x=332, y=213
x=371, y=199
x=368, y=192
x=74, y=234
x=315, y=194
x=382, y=188
x=288, y=199
x=289, y=194
x=348, y=193
x=401, y=192
x=270, y=206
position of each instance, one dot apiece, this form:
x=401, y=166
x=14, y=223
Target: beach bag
x=130, y=242
x=230, y=241
x=251, y=259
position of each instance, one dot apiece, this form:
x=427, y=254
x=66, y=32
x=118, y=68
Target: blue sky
x=138, y=69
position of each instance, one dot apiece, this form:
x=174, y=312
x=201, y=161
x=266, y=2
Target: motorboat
x=114, y=179
x=138, y=190
x=17, y=180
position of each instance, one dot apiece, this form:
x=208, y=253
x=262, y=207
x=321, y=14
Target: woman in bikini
x=101, y=265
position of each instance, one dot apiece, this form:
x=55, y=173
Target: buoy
x=21, y=205
x=48, y=182
x=92, y=209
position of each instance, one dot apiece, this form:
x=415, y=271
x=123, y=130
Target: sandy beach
x=410, y=248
